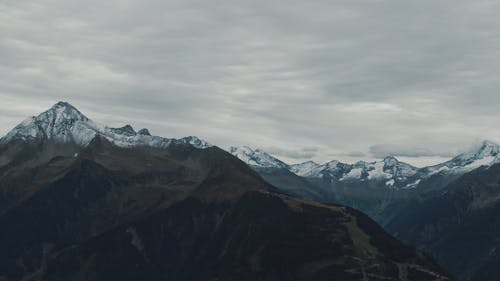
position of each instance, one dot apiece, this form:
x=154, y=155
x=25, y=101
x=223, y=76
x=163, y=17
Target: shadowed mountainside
x=104, y=211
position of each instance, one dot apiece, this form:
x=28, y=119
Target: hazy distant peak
x=484, y=149
x=257, y=157
x=305, y=169
x=485, y=153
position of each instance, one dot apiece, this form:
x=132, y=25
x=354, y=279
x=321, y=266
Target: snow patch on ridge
x=412, y=185
x=353, y=174
x=390, y=183
x=378, y=172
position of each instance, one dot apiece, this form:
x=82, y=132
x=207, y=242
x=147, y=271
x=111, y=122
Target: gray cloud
x=356, y=154
x=297, y=154
x=337, y=75
x=403, y=150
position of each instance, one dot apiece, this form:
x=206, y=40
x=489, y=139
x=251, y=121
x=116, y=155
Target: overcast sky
x=318, y=80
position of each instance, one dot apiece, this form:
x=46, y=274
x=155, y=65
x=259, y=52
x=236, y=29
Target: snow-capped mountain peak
x=63, y=111
x=305, y=169
x=391, y=161
x=310, y=169
x=332, y=164
x=144, y=132
x=399, y=170
x=63, y=123
x=484, y=149
x=196, y=142
x=389, y=171
x=257, y=157
x=486, y=153
x=126, y=130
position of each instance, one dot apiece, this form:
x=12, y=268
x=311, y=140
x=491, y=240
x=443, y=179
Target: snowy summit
x=63, y=123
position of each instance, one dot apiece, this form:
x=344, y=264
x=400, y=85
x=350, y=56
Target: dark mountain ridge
x=141, y=207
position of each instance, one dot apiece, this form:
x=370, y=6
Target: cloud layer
x=403, y=150
x=339, y=76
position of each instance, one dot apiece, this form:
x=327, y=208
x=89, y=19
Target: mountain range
x=449, y=210
x=83, y=201
x=395, y=173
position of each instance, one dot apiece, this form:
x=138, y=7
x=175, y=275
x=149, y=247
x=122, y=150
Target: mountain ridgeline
x=450, y=211
x=83, y=201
